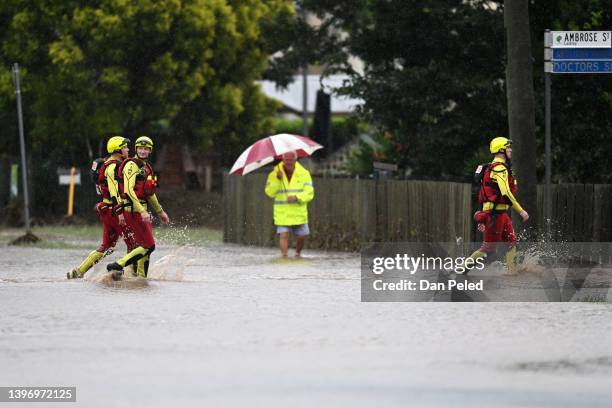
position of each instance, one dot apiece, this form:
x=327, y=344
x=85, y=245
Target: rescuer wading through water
x=498, y=187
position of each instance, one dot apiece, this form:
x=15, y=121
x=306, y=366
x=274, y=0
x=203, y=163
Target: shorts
x=300, y=230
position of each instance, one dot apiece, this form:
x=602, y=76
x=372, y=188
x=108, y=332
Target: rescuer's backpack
x=480, y=172
x=94, y=172
x=98, y=168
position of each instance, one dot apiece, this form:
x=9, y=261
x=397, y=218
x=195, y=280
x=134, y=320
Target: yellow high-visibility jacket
x=286, y=213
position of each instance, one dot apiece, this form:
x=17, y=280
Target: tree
x=521, y=105
x=433, y=76
x=434, y=80
x=581, y=104
x=109, y=66
x=231, y=111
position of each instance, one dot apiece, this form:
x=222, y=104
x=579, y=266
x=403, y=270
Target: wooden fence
x=580, y=213
x=348, y=212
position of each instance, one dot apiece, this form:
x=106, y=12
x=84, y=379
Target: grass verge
x=84, y=236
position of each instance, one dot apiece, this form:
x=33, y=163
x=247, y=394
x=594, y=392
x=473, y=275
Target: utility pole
x=28, y=237
x=547, y=138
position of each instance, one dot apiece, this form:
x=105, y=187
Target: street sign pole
x=547, y=148
x=547, y=138
x=569, y=52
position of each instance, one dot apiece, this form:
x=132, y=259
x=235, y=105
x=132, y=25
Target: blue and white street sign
x=578, y=52
x=582, y=67
x=581, y=54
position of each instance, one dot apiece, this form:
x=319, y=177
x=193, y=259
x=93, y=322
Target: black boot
x=116, y=269
x=74, y=274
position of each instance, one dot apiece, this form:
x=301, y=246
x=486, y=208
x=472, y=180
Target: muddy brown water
x=226, y=325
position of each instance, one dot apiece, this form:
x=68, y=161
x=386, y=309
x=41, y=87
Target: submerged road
x=226, y=325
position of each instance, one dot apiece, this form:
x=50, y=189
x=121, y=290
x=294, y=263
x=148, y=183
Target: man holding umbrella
x=290, y=185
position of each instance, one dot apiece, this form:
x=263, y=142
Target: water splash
x=172, y=267
x=530, y=261
x=128, y=281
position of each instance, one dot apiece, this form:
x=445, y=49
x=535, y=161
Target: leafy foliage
x=90, y=69
x=581, y=104
x=434, y=79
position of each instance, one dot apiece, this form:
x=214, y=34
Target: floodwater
x=226, y=325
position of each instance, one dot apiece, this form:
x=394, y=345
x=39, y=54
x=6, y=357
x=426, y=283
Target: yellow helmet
x=116, y=143
x=498, y=144
x=144, y=141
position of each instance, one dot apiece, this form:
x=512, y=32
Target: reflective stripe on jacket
x=286, y=213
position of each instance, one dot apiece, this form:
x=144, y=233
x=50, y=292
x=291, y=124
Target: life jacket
x=146, y=180
x=489, y=190
x=98, y=168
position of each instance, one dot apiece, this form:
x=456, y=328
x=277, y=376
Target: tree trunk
x=521, y=108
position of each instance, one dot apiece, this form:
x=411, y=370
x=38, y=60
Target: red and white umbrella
x=272, y=148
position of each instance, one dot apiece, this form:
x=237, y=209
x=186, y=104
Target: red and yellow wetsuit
x=497, y=195
x=111, y=228
x=139, y=184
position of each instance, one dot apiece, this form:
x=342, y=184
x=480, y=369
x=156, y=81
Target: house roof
x=292, y=96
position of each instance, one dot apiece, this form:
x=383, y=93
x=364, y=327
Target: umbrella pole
x=277, y=167
x=282, y=179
